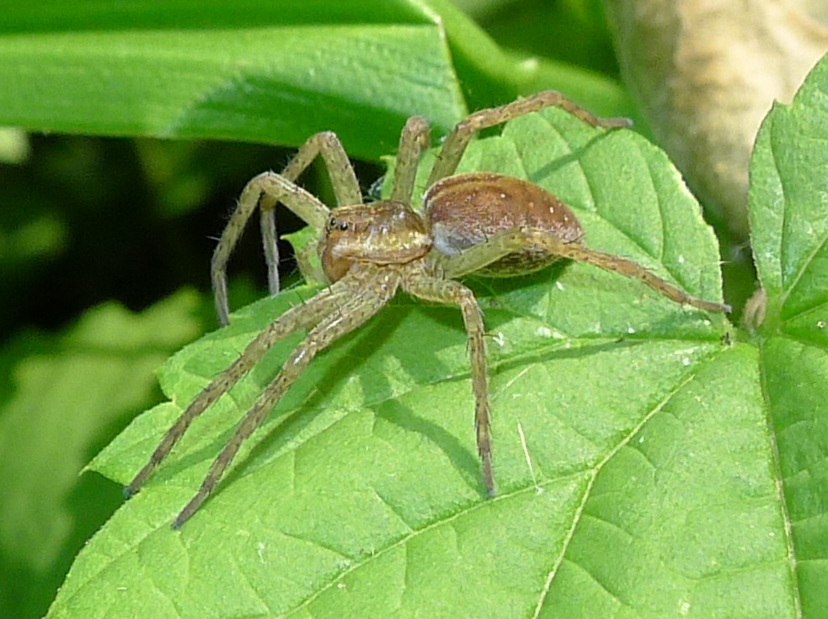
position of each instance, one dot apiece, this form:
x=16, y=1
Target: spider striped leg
x=503, y=243
x=360, y=305
x=273, y=188
x=413, y=140
x=458, y=139
x=267, y=190
x=299, y=317
x=451, y=292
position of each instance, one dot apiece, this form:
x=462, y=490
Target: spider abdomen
x=466, y=209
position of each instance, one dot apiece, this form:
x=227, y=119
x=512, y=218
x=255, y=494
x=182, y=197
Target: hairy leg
x=266, y=191
x=414, y=139
x=349, y=314
x=456, y=142
x=503, y=243
x=298, y=317
x=451, y=292
x=627, y=268
x=275, y=188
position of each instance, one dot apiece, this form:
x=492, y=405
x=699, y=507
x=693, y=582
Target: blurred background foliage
x=104, y=251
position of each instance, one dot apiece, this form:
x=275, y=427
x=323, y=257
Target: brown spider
x=478, y=222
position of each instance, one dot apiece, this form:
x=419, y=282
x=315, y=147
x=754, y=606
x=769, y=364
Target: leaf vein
x=592, y=476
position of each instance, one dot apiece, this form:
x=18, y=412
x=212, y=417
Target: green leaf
x=63, y=396
x=270, y=71
x=260, y=71
x=632, y=467
x=789, y=218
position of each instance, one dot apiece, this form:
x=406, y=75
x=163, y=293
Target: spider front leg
x=302, y=316
x=368, y=291
x=269, y=189
x=458, y=139
x=420, y=284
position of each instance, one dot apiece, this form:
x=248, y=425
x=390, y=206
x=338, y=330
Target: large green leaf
x=631, y=449
x=256, y=71
x=62, y=396
x=789, y=220
x=270, y=71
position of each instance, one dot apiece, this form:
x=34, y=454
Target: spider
x=477, y=222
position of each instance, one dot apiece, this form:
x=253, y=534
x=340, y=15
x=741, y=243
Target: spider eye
x=336, y=224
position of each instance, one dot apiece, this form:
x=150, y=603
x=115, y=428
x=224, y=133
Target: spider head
x=385, y=232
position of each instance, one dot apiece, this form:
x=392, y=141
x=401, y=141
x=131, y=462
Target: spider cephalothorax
x=385, y=232
x=479, y=222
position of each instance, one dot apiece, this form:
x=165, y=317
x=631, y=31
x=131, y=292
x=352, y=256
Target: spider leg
x=625, y=267
x=362, y=303
x=455, y=143
x=508, y=241
x=265, y=191
x=270, y=246
x=299, y=317
x=451, y=292
x=273, y=188
x=413, y=140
